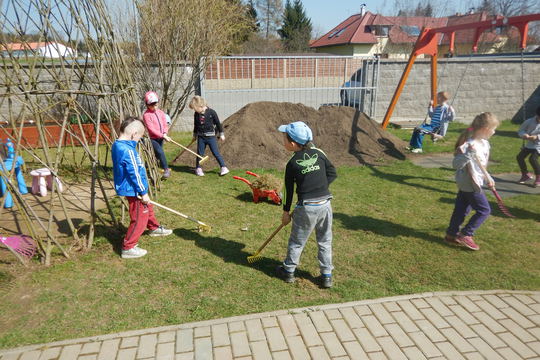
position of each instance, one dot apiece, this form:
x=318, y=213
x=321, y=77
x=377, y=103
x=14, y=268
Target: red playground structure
x=260, y=193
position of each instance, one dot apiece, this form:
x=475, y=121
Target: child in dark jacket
x=312, y=172
x=205, y=124
x=130, y=181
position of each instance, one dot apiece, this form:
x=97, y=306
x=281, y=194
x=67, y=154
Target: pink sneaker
x=467, y=241
x=524, y=178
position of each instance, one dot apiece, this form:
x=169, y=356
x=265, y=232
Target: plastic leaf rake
x=21, y=244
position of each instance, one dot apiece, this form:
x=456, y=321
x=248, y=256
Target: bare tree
x=271, y=12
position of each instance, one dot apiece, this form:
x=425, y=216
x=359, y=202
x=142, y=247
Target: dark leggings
x=157, y=144
x=211, y=141
x=533, y=160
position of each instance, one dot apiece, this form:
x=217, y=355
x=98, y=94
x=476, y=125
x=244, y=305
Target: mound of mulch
x=346, y=136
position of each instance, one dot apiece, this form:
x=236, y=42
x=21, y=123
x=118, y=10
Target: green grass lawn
x=388, y=227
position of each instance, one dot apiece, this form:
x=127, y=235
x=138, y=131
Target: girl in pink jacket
x=156, y=124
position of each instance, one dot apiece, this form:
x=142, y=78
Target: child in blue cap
x=312, y=172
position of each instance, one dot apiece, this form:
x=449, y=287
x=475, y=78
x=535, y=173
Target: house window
x=336, y=33
x=380, y=30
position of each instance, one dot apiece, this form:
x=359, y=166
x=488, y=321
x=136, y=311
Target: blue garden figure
x=9, y=161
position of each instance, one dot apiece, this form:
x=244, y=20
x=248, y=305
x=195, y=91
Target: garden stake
x=203, y=159
x=202, y=226
x=257, y=256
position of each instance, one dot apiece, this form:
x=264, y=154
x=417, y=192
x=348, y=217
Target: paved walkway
x=452, y=325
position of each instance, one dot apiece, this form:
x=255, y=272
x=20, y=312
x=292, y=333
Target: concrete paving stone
x=517, y=317
x=467, y=303
x=496, y=301
x=184, y=340
x=236, y=326
x=185, y=356
x=448, y=300
x=391, y=306
x=307, y=329
x=517, y=330
x=507, y=353
x=412, y=352
x=127, y=354
x=488, y=336
x=166, y=337
x=377, y=356
x=275, y=339
x=535, y=331
x=535, y=297
x=516, y=345
x=535, y=319
x=463, y=314
x=283, y=355
x=203, y=331
x=147, y=346
x=87, y=357
x=431, y=331
x=288, y=325
x=240, y=344
x=474, y=356
x=368, y=342
x=269, y=322
x=203, y=348
x=362, y=310
x=320, y=321
x=342, y=358
x=457, y=340
x=488, y=321
x=165, y=351
x=380, y=313
x=10, y=356
x=424, y=344
x=351, y=317
x=439, y=306
x=420, y=303
x=526, y=299
x=333, y=314
x=30, y=355
x=433, y=317
x=462, y=328
x=354, y=350
x=49, y=353
x=535, y=307
x=90, y=348
x=71, y=352
x=260, y=350
x=483, y=348
x=342, y=329
x=223, y=353
x=535, y=346
x=255, y=330
x=411, y=310
x=449, y=351
x=332, y=344
x=128, y=342
x=399, y=336
x=297, y=348
x=220, y=335
x=319, y=353
x=244, y=358
x=520, y=307
x=404, y=321
x=491, y=310
x=374, y=326
x=390, y=348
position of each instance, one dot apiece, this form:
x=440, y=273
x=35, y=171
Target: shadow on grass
x=519, y=213
x=385, y=228
x=233, y=252
x=406, y=180
x=113, y=235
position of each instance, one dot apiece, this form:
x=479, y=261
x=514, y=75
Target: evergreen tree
x=296, y=30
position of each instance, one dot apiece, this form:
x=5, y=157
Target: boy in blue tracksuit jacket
x=130, y=181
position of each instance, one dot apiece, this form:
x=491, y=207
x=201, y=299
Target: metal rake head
x=252, y=258
x=204, y=228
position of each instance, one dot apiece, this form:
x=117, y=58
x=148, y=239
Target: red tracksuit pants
x=142, y=218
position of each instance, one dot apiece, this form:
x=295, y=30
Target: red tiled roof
x=24, y=46
x=351, y=31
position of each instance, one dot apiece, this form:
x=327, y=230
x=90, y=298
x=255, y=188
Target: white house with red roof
x=394, y=36
x=51, y=50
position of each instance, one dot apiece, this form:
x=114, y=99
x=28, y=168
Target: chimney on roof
x=471, y=10
x=362, y=9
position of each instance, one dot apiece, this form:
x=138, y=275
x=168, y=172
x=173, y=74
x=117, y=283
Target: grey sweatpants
x=305, y=219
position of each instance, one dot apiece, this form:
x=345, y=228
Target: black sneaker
x=326, y=281
x=285, y=275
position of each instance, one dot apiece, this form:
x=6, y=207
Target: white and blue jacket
x=128, y=169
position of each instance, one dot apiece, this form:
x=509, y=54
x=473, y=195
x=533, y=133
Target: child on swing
x=530, y=131
x=471, y=154
x=440, y=116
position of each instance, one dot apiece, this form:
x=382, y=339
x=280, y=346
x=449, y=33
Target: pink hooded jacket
x=156, y=123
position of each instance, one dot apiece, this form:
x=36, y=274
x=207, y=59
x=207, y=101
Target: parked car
x=350, y=93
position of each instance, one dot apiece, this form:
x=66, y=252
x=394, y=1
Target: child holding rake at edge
x=471, y=154
x=205, y=124
x=130, y=181
x=312, y=173
x=530, y=131
x=156, y=122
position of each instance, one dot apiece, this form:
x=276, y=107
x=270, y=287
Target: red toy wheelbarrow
x=260, y=193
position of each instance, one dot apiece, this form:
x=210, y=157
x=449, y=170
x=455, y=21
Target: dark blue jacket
x=128, y=169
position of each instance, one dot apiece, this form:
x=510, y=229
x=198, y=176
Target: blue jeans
x=157, y=144
x=465, y=201
x=305, y=219
x=418, y=134
x=211, y=141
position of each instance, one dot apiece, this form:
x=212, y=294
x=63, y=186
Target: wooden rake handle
x=180, y=214
x=203, y=159
x=269, y=238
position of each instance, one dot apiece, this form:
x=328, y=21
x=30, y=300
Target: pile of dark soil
x=346, y=136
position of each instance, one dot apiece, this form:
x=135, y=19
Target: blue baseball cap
x=298, y=131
